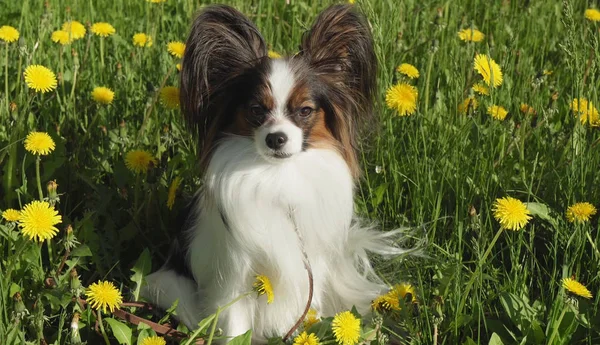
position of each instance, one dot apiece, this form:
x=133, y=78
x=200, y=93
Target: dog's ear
x=223, y=45
x=339, y=47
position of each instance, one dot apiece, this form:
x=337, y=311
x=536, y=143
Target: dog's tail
x=367, y=239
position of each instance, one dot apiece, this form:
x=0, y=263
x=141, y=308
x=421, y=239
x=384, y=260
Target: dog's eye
x=306, y=111
x=257, y=110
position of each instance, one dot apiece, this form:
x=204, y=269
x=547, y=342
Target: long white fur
x=257, y=198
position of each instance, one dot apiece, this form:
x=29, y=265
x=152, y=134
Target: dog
x=278, y=150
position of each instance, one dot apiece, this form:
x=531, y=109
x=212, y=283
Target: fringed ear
x=223, y=46
x=339, y=48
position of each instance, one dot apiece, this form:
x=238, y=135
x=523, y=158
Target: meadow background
x=437, y=171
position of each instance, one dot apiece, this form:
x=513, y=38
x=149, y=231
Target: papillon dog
x=278, y=149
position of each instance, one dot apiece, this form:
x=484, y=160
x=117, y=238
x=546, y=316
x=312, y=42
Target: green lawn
x=437, y=172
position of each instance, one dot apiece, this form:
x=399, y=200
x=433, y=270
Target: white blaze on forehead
x=281, y=79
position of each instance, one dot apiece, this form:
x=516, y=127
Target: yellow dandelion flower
x=511, y=213
x=468, y=105
x=592, y=14
x=408, y=70
x=169, y=95
x=40, y=78
x=172, y=192
x=263, y=286
x=103, y=95
x=526, y=109
x=103, y=29
x=139, y=161
x=402, y=98
x=472, y=35
x=178, y=66
x=8, y=34
x=488, y=69
x=306, y=339
x=391, y=300
x=154, y=340
x=61, y=37
x=575, y=287
x=311, y=318
x=102, y=295
x=274, y=55
x=75, y=29
x=497, y=112
x=176, y=48
x=39, y=143
x=346, y=328
x=11, y=215
x=481, y=89
x=580, y=212
x=38, y=219
x=586, y=110
x=142, y=40
x=156, y=1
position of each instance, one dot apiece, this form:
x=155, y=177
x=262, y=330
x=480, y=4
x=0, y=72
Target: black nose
x=276, y=140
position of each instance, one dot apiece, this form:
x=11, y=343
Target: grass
x=437, y=171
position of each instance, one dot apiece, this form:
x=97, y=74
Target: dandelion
x=172, y=192
x=391, y=300
x=103, y=29
x=468, y=105
x=346, y=328
x=311, y=318
x=40, y=78
x=488, y=69
x=592, y=14
x=169, y=95
x=274, y=55
x=580, y=212
x=511, y=213
x=103, y=95
x=142, y=40
x=61, y=37
x=8, y=34
x=38, y=219
x=11, y=215
x=39, y=143
x=139, y=161
x=402, y=98
x=481, y=89
x=75, y=29
x=306, y=339
x=102, y=295
x=156, y=1
x=526, y=109
x=586, y=110
x=575, y=287
x=497, y=112
x=408, y=70
x=263, y=286
x=176, y=48
x=153, y=340
x=472, y=35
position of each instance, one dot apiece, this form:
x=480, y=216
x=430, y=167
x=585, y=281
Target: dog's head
x=314, y=99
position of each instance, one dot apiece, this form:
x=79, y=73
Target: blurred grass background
x=437, y=171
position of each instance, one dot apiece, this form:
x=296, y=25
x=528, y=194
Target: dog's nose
x=276, y=140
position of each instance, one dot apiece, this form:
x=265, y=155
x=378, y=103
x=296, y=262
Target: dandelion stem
x=102, y=328
x=477, y=271
x=102, y=52
x=557, y=325
x=37, y=176
x=6, y=79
